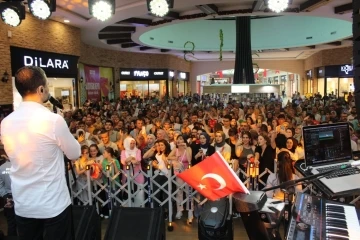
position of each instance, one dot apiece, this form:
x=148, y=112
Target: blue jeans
x=56, y=228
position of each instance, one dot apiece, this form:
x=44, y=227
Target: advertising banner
x=92, y=79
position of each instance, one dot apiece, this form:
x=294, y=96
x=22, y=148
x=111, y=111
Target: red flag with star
x=213, y=178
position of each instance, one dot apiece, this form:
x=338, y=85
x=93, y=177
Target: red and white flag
x=213, y=178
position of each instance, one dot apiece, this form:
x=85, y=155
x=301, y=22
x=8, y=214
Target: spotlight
x=12, y=13
x=278, y=5
x=160, y=7
x=42, y=9
x=102, y=9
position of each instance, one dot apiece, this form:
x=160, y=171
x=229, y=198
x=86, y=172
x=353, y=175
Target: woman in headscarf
x=132, y=156
x=205, y=150
x=221, y=146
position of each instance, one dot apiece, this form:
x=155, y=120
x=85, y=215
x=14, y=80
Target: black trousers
x=9, y=213
x=56, y=228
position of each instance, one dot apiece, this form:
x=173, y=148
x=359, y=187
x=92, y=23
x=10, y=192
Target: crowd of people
x=184, y=131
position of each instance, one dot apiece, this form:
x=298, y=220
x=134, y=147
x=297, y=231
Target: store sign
x=144, y=74
x=321, y=72
x=50, y=63
x=141, y=73
x=125, y=73
x=171, y=73
x=159, y=73
x=182, y=75
x=346, y=69
x=54, y=65
x=309, y=74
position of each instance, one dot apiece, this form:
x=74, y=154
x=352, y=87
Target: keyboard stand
x=319, y=189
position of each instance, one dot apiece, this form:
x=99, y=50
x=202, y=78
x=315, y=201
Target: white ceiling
x=77, y=12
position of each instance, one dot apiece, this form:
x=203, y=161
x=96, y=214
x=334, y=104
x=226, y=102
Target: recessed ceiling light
x=66, y=21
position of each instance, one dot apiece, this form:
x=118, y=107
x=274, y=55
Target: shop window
x=332, y=86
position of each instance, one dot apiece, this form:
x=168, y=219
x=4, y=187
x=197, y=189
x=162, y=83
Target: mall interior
x=306, y=47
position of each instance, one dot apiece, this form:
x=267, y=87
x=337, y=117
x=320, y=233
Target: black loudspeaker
x=87, y=225
x=136, y=224
x=215, y=222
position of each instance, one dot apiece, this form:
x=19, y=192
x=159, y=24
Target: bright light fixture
x=278, y=5
x=66, y=21
x=101, y=10
x=12, y=13
x=11, y=17
x=40, y=9
x=159, y=7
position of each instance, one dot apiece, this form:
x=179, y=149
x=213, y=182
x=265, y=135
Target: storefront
x=60, y=69
x=152, y=83
x=336, y=80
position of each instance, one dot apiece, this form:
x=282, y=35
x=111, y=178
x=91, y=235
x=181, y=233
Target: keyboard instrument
x=315, y=218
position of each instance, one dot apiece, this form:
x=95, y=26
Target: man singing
x=35, y=139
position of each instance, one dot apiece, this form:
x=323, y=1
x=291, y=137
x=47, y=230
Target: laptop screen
x=327, y=144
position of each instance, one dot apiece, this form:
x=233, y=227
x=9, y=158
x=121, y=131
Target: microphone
x=55, y=102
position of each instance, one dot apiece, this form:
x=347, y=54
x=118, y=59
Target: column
x=356, y=54
x=243, y=58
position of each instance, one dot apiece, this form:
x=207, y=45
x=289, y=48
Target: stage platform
x=182, y=231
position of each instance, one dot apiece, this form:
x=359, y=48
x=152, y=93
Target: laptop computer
x=327, y=146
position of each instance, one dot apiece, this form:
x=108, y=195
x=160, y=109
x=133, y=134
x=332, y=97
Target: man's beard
x=47, y=99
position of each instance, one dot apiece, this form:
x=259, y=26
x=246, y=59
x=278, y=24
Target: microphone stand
x=261, y=215
x=68, y=183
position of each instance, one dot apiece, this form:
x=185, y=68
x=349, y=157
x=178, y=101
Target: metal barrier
x=158, y=189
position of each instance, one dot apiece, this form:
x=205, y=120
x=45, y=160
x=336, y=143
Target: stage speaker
x=215, y=223
x=130, y=223
x=87, y=225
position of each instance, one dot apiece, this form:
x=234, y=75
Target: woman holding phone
x=180, y=158
x=160, y=151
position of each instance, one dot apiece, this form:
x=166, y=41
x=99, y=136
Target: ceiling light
x=12, y=13
x=42, y=8
x=159, y=7
x=278, y=5
x=102, y=9
x=10, y=17
x=66, y=21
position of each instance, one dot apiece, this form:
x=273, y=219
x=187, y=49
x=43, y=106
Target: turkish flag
x=213, y=178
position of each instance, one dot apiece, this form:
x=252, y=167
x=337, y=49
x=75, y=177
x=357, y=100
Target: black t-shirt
x=266, y=159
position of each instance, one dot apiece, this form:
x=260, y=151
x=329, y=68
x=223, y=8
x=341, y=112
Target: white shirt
x=35, y=139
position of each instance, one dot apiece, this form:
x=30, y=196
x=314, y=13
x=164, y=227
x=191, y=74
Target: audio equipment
x=261, y=215
x=131, y=223
x=317, y=218
x=215, y=222
x=86, y=222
